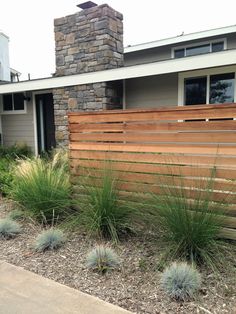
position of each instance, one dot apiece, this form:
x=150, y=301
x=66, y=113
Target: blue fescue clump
x=9, y=228
x=51, y=239
x=181, y=281
x=102, y=258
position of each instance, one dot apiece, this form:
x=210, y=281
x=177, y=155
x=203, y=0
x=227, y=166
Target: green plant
x=51, y=239
x=19, y=150
x=8, y=157
x=5, y=174
x=181, y=281
x=101, y=212
x=42, y=187
x=9, y=228
x=190, y=224
x=102, y=258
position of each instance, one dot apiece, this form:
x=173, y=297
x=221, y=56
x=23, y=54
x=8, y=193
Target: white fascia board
x=223, y=58
x=4, y=35
x=181, y=39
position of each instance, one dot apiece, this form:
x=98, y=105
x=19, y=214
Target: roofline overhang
x=218, y=59
x=181, y=39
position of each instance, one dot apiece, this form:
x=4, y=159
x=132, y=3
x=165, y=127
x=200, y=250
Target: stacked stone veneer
x=88, y=41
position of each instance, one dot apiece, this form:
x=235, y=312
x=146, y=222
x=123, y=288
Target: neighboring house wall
x=4, y=58
x=152, y=92
x=164, y=52
x=90, y=40
x=19, y=128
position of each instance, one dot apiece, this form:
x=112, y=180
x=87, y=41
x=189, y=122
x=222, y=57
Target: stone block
x=60, y=21
x=59, y=36
x=72, y=103
x=69, y=58
x=70, y=71
x=73, y=50
x=101, y=25
x=70, y=38
x=60, y=60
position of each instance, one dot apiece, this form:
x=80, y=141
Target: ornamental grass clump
x=102, y=214
x=102, y=259
x=42, y=187
x=9, y=228
x=51, y=239
x=190, y=219
x=181, y=281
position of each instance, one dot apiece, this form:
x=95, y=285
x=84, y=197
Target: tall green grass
x=101, y=212
x=190, y=224
x=42, y=186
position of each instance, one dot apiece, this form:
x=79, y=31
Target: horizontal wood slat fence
x=184, y=145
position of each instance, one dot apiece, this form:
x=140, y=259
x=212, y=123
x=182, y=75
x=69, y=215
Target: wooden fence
x=141, y=145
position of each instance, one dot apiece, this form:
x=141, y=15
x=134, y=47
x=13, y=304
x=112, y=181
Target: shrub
x=42, y=187
x=51, y=239
x=19, y=150
x=191, y=226
x=8, y=155
x=102, y=258
x=9, y=228
x=102, y=213
x=5, y=175
x=181, y=281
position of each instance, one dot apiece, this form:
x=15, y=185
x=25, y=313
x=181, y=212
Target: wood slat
x=228, y=233
x=213, y=149
x=197, y=126
x=221, y=173
x=217, y=137
x=175, y=113
x=173, y=191
x=156, y=158
x=217, y=184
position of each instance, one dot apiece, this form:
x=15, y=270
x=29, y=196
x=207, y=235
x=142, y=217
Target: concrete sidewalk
x=23, y=292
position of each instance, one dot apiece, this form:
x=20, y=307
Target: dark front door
x=45, y=122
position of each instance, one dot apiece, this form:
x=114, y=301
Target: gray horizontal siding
x=152, y=92
x=19, y=128
x=164, y=53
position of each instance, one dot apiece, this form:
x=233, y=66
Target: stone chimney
x=87, y=41
x=90, y=40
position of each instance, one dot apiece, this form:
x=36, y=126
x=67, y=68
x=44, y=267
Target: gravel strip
x=136, y=286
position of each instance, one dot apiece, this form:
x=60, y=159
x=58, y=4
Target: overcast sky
x=29, y=24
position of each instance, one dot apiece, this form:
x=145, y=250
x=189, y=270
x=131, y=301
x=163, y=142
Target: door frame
x=35, y=117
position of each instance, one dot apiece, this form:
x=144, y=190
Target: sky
x=29, y=25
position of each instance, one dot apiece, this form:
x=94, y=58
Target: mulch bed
x=136, y=286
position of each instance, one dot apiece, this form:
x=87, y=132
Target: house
x=95, y=72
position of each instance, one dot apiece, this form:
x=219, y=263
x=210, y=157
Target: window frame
x=200, y=73
x=210, y=42
x=13, y=111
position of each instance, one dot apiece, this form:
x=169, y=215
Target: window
x=221, y=88
x=197, y=50
x=209, y=89
x=194, y=50
x=14, y=103
x=195, y=91
x=219, y=46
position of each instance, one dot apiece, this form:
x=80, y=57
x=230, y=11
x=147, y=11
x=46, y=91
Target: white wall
x=4, y=58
